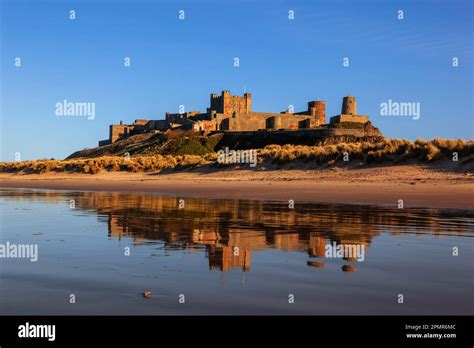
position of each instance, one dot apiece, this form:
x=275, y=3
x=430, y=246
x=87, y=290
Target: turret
x=349, y=106
x=317, y=109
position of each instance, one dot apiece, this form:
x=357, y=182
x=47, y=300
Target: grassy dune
x=389, y=151
x=107, y=163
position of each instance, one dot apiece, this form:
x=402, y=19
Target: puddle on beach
x=230, y=256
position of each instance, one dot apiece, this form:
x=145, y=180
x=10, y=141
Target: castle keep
x=227, y=112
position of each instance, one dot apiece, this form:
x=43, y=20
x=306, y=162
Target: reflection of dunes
x=221, y=226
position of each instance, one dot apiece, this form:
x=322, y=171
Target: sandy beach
x=415, y=185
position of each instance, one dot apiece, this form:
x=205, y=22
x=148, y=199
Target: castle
x=227, y=112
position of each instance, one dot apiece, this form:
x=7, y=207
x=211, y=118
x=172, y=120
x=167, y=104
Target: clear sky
x=176, y=62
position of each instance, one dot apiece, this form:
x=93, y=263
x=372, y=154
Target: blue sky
x=176, y=62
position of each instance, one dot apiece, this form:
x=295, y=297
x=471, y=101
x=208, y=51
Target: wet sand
x=416, y=186
x=192, y=251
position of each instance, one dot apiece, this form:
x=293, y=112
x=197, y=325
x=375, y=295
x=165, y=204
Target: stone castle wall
x=264, y=120
x=349, y=119
x=234, y=113
x=310, y=137
x=116, y=131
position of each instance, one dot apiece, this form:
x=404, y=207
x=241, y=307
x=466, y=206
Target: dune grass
x=107, y=163
x=388, y=151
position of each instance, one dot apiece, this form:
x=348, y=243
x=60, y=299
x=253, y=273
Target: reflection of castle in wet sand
x=226, y=249
x=227, y=246
x=230, y=231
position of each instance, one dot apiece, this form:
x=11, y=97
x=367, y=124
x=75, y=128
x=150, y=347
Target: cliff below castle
x=192, y=143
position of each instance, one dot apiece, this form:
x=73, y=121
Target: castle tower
x=349, y=113
x=349, y=106
x=216, y=103
x=317, y=109
x=233, y=104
